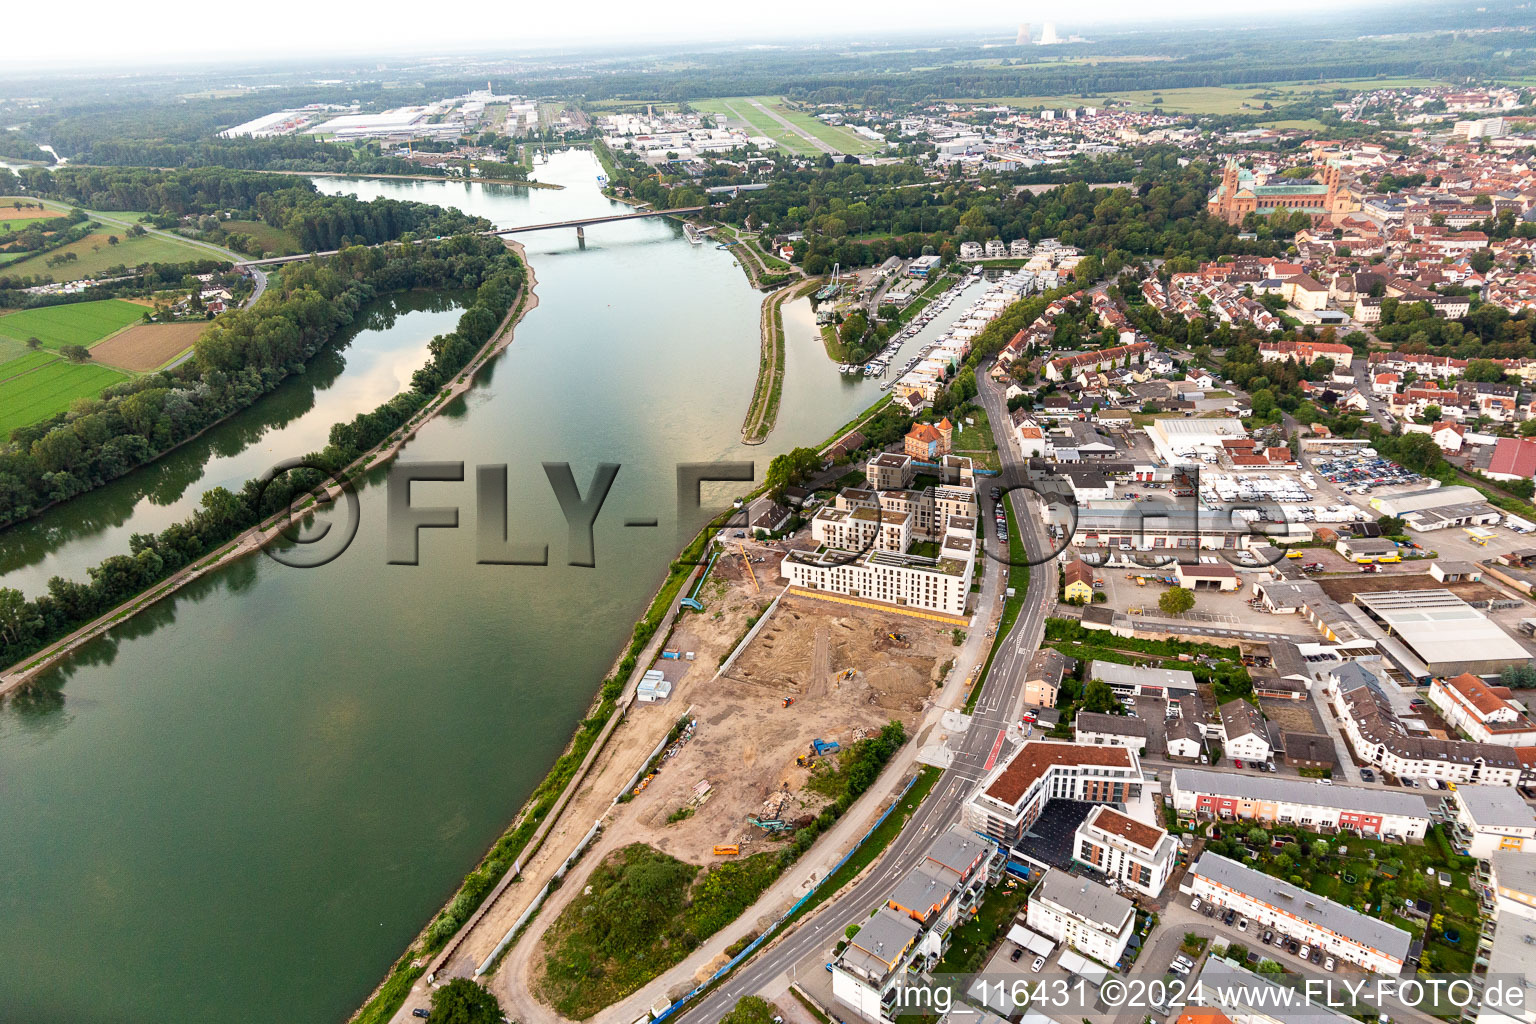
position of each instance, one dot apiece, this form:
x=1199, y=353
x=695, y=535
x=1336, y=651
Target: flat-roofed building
x=1443, y=632
x=1510, y=896
x=1485, y=712
x=1367, y=810
x=890, y=471
x=1439, y=508
x=1315, y=920
x=1013, y=794
x=1128, y=851
x=1142, y=681
x=1090, y=917
x=1488, y=819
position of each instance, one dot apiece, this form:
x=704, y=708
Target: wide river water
x=242, y=804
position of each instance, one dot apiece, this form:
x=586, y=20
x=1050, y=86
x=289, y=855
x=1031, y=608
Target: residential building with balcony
x=1089, y=917
x=1508, y=938
x=1269, y=902
x=1013, y=794
x=1132, y=853
x=1268, y=798
x=1489, y=819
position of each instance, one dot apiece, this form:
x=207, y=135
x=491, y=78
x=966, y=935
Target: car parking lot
x=1360, y=474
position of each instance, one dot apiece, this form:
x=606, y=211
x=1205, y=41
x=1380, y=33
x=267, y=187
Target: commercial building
x=1486, y=713
x=1090, y=918
x=1447, y=635
x=1174, y=437
x=1130, y=852
x=1379, y=738
x=1206, y=576
x=1314, y=920
x=1438, y=508
x=1488, y=819
x=1141, y=680
x=1013, y=794
x=1369, y=811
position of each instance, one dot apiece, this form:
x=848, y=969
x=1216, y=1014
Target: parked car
x=1242, y=924
x=421, y=1011
x=1317, y=956
x=1229, y=917
x=1305, y=952
x=1039, y=963
x=1194, y=904
x=1328, y=964
x=1366, y=775
x=1238, y=763
x=1017, y=955
x=1268, y=935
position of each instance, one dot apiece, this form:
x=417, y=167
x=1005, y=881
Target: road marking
x=997, y=745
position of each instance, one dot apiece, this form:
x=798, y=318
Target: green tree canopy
x=462, y=1001
x=1176, y=601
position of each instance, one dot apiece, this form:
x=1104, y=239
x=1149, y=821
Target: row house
x=1267, y=798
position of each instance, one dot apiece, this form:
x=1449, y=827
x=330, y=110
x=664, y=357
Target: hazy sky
x=182, y=30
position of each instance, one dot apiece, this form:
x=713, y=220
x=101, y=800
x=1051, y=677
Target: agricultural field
x=145, y=347
x=273, y=240
x=76, y=323
x=13, y=209
x=94, y=255
x=41, y=384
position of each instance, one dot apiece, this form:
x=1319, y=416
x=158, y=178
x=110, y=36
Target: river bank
x=258, y=537
x=764, y=410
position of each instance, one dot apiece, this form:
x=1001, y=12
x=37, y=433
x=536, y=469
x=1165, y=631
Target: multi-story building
x=1131, y=852
x=914, y=925
x=1240, y=194
x=1013, y=794
x=941, y=584
x=1245, y=733
x=1314, y=920
x=1487, y=819
x=1508, y=881
x=1042, y=679
x=1090, y=727
x=1091, y=918
x=890, y=471
x=1369, y=811
x=1378, y=737
x=1484, y=712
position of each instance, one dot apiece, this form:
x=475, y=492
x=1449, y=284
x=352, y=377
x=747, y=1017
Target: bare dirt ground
x=740, y=762
x=1291, y=715
x=144, y=347
x=9, y=212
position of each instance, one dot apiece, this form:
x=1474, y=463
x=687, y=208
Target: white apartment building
x=1509, y=884
x=1090, y=727
x=1379, y=738
x=1131, y=852
x=1270, y=798
x=860, y=529
x=1090, y=918
x=941, y=584
x=1486, y=713
x=1245, y=734
x=1488, y=819
x=1013, y=794
x=1269, y=902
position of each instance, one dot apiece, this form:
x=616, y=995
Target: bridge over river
x=579, y=224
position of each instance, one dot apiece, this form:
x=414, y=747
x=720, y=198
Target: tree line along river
x=242, y=803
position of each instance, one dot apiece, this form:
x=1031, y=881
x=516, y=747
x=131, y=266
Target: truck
x=823, y=748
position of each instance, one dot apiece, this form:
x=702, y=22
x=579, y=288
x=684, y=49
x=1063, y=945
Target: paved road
x=999, y=705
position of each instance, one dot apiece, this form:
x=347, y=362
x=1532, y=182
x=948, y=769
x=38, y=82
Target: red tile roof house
x=1514, y=458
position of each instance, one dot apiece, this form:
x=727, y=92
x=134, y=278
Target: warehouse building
x=1142, y=680
x=1442, y=632
x=1437, y=508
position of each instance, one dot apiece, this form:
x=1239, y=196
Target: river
x=242, y=804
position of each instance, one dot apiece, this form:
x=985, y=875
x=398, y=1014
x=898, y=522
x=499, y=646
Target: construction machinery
x=788, y=701
x=770, y=824
x=747, y=561
x=804, y=760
